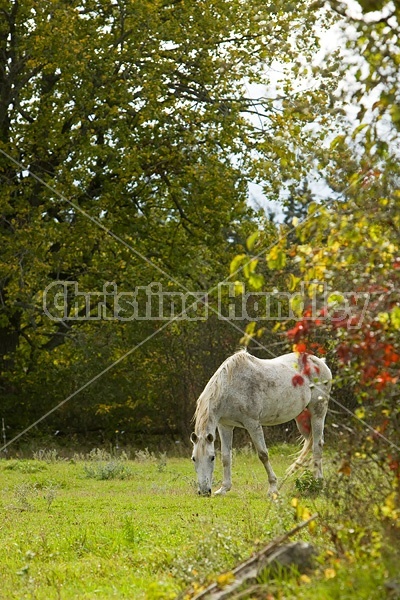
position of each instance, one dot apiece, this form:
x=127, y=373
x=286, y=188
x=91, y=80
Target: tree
x=343, y=258
x=125, y=151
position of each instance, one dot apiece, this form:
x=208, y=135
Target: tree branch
x=250, y=568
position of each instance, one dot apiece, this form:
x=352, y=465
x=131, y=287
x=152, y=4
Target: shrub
x=308, y=485
x=113, y=469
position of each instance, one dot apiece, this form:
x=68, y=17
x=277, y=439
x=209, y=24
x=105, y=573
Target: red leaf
x=383, y=379
x=307, y=370
x=304, y=422
x=394, y=464
x=369, y=373
x=297, y=380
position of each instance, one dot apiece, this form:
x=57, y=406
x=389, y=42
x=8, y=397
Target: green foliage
x=28, y=496
x=129, y=140
x=152, y=537
x=47, y=455
x=359, y=582
x=103, y=465
x=113, y=469
x=342, y=259
x=24, y=466
x=307, y=484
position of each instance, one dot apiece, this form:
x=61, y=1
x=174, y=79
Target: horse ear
x=210, y=438
x=193, y=438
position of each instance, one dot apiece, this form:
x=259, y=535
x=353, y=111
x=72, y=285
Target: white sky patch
x=331, y=40
x=258, y=200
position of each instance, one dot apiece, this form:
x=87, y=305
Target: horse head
x=203, y=456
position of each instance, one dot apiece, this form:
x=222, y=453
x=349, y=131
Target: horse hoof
x=220, y=492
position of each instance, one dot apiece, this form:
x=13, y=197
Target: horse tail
x=303, y=422
x=308, y=442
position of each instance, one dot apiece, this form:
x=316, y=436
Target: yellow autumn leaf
x=251, y=327
x=391, y=501
x=334, y=247
x=304, y=249
x=383, y=317
x=251, y=240
x=293, y=281
x=311, y=526
x=329, y=573
x=225, y=579
x=360, y=413
x=304, y=579
x=238, y=288
x=276, y=258
x=386, y=511
x=236, y=263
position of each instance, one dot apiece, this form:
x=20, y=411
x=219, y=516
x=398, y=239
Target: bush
x=113, y=469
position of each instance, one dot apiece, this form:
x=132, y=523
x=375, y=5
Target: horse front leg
x=226, y=436
x=257, y=435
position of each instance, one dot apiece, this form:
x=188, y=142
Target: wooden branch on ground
x=251, y=568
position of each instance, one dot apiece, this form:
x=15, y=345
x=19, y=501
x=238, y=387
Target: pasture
x=101, y=527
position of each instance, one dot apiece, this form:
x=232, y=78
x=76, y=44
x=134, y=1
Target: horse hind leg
x=303, y=422
x=310, y=423
x=318, y=410
x=318, y=444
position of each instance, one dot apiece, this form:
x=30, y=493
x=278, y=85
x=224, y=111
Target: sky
x=331, y=40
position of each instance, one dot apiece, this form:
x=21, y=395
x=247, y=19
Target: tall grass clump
x=103, y=466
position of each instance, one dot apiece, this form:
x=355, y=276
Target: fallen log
x=276, y=553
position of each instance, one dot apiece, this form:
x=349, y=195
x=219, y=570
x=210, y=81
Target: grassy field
x=96, y=527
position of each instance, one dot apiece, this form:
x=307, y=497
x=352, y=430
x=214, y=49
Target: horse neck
x=206, y=416
x=206, y=421
x=205, y=424
x=211, y=427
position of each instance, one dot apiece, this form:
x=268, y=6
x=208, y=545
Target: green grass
x=69, y=529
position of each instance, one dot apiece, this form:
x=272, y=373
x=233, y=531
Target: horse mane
x=211, y=393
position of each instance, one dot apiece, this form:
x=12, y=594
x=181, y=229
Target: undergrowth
x=106, y=525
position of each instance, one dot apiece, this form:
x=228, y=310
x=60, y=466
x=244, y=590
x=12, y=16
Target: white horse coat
x=250, y=392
